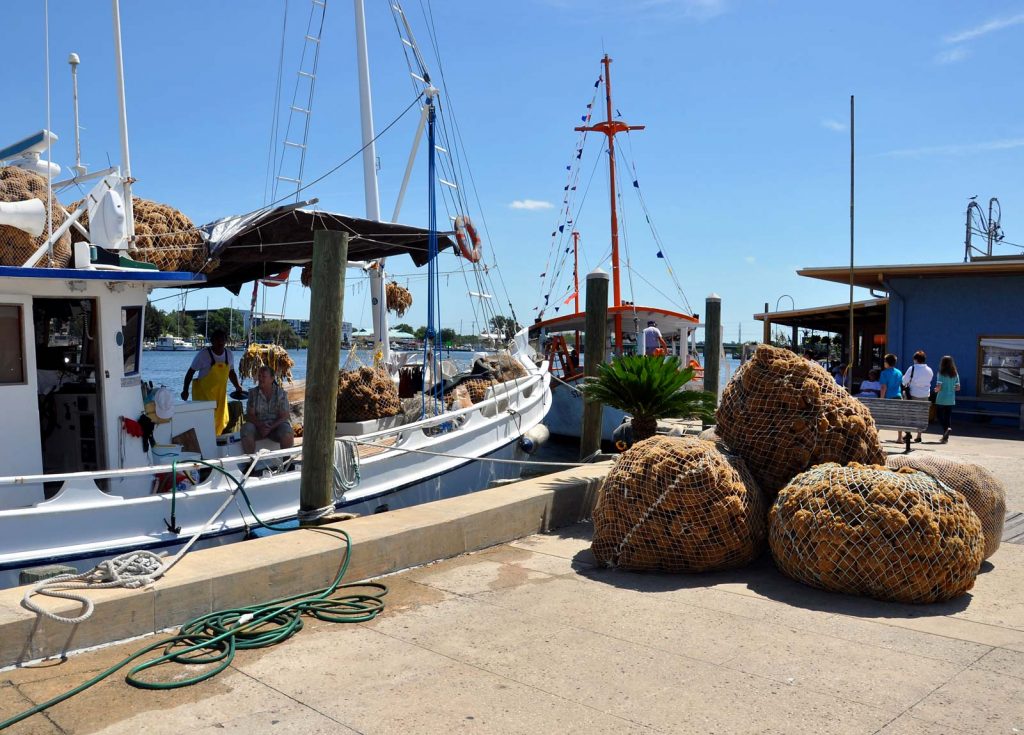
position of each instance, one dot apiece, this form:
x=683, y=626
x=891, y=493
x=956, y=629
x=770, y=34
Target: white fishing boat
x=79, y=484
x=560, y=337
x=170, y=343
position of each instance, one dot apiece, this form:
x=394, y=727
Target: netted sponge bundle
x=477, y=388
x=366, y=393
x=868, y=530
x=399, y=299
x=678, y=504
x=783, y=413
x=502, y=366
x=164, y=236
x=17, y=246
x=275, y=357
x=979, y=487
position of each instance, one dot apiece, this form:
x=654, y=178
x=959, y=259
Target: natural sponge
x=677, y=504
x=366, y=393
x=979, y=487
x=868, y=530
x=164, y=236
x=17, y=246
x=782, y=414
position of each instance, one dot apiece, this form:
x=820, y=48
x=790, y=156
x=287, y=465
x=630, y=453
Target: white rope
x=307, y=516
x=346, y=467
x=132, y=570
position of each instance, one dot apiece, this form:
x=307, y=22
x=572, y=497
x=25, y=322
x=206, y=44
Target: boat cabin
x=71, y=372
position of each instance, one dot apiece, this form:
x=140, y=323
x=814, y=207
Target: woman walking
x=947, y=385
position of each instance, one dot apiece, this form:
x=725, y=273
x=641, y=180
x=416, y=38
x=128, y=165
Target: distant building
x=970, y=310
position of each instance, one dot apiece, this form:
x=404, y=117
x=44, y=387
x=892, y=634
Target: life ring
x=694, y=364
x=465, y=233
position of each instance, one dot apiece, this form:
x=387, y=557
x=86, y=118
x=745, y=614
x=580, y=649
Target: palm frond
x=649, y=386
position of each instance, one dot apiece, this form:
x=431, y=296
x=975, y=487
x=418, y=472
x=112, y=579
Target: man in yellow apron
x=212, y=366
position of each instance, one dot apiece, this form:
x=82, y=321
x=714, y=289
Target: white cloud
x=665, y=9
x=830, y=124
x=953, y=55
x=530, y=204
x=750, y=259
x=991, y=26
x=957, y=150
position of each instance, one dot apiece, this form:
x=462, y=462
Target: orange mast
x=610, y=127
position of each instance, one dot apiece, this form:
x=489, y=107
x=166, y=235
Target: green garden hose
x=215, y=637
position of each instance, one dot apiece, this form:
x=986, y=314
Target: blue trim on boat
x=13, y=271
x=67, y=558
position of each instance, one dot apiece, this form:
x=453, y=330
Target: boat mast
x=379, y=304
x=126, y=164
x=610, y=127
x=576, y=269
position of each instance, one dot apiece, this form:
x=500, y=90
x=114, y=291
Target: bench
x=902, y=415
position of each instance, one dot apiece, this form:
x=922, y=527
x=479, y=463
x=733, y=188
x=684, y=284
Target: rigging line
x=662, y=293
x=275, y=117
x=458, y=134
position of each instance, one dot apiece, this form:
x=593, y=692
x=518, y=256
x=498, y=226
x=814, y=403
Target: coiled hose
x=215, y=637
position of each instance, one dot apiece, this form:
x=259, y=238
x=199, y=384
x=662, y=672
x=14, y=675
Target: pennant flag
x=583, y=118
x=661, y=254
x=561, y=228
x=579, y=154
x=556, y=309
x=566, y=188
x=574, y=188
x=543, y=274
x=568, y=168
x=571, y=297
x=636, y=183
x=589, y=105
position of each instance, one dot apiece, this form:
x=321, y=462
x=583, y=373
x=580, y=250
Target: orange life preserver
x=694, y=364
x=658, y=352
x=465, y=233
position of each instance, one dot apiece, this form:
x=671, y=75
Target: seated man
x=268, y=415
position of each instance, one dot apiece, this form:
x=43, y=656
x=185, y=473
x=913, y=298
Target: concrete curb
x=266, y=568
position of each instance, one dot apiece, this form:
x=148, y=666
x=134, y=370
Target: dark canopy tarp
x=265, y=243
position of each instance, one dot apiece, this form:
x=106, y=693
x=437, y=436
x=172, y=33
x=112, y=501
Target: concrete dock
x=529, y=636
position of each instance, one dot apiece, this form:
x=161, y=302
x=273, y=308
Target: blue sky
x=743, y=164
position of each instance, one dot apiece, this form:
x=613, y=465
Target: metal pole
x=597, y=341
x=74, y=61
x=126, y=161
x=851, y=358
x=766, y=335
x=326, y=307
x=712, y=343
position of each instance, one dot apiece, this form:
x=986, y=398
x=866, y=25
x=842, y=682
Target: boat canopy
x=261, y=244
x=669, y=322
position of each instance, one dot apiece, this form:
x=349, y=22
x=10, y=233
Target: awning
x=833, y=318
x=262, y=244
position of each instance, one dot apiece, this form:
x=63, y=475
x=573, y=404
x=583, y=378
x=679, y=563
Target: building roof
x=834, y=318
x=875, y=276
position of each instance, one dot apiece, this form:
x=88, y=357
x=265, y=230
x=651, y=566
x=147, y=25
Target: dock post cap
x=597, y=274
x=713, y=297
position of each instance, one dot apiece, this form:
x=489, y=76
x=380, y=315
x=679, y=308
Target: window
x=131, y=332
x=12, y=356
x=1000, y=360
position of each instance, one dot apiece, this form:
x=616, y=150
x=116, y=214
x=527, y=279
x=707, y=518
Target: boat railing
x=488, y=407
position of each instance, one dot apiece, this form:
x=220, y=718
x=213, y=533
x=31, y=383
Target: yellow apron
x=214, y=387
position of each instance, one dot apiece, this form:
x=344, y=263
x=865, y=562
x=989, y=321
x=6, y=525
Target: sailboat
x=92, y=482
x=560, y=337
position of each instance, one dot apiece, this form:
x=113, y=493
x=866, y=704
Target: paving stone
x=976, y=701
x=1003, y=661
x=907, y=725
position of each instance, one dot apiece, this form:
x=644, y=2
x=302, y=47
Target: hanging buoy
x=466, y=234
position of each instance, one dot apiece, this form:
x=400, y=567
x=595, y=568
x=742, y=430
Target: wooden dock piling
x=594, y=355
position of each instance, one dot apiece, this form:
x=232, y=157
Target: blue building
x=973, y=311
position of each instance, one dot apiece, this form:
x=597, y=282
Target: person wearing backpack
x=917, y=381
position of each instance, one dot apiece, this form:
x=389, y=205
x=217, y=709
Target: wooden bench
x=902, y=415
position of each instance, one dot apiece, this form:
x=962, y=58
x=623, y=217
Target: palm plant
x=648, y=388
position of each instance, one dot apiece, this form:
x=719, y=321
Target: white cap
x=163, y=404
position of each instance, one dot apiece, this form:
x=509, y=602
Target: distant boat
x=170, y=343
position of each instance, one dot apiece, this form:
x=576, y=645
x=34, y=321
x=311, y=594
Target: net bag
x=475, y=387
x=678, y=504
x=17, y=246
x=501, y=365
x=164, y=236
x=399, y=299
x=782, y=414
x=868, y=530
x=979, y=487
x=366, y=393
x=275, y=357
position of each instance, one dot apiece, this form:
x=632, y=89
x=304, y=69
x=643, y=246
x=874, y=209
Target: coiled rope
x=215, y=637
